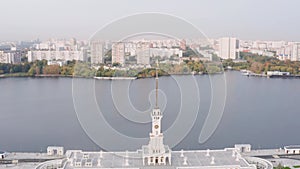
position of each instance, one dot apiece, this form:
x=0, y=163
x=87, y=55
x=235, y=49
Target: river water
x=37, y=112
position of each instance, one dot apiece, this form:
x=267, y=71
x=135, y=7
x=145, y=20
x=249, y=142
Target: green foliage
x=253, y=62
x=215, y=58
x=51, y=69
x=213, y=68
x=83, y=70
x=68, y=69
x=151, y=72
x=6, y=68
x=259, y=64
x=281, y=167
x=189, y=52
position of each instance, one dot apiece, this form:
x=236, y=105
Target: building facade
x=9, y=57
x=118, y=53
x=143, y=54
x=57, y=55
x=295, y=56
x=97, y=52
x=228, y=48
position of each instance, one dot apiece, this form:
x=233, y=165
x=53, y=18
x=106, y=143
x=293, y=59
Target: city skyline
x=267, y=20
x=141, y=51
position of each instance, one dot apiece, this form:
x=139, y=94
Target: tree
x=84, y=70
x=51, y=69
x=256, y=67
x=66, y=70
x=31, y=71
x=116, y=64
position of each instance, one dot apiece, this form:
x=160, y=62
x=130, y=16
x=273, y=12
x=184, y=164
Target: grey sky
x=246, y=19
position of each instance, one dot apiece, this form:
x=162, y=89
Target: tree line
x=262, y=64
x=82, y=69
x=37, y=68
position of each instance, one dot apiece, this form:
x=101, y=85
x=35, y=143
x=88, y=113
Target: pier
x=16, y=158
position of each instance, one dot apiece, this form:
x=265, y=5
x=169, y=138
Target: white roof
x=195, y=158
x=292, y=147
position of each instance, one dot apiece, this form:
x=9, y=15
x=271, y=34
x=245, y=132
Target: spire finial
x=156, y=79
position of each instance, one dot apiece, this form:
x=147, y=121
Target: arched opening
x=156, y=160
x=167, y=160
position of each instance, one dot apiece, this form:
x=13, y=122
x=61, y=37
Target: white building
x=2, y=154
x=294, y=149
x=97, y=52
x=289, y=52
x=118, y=53
x=57, y=55
x=56, y=62
x=242, y=148
x=143, y=54
x=295, y=54
x=54, y=150
x=165, y=52
x=228, y=48
x=9, y=57
x=277, y=73
x=130, y=48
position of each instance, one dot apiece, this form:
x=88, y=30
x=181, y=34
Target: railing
x=53, y=164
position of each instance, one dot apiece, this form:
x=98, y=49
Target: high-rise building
x=97, y=52
x=295, y=56
x=143, y=54
x=118, y=53
x=9, y=57
x=228, y=48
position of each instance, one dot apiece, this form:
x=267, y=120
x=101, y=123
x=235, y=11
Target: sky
x=245, y=19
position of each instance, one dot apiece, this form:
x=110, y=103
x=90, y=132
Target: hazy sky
x=245, y=19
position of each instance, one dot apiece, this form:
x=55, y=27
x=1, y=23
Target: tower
x=156, y=153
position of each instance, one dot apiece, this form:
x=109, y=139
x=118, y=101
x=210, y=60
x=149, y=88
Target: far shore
x=131, y=78
x=95, y=77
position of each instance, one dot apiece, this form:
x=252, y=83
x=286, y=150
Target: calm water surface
x=37, y=112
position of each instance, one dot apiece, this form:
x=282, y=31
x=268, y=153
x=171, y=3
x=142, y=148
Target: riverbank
x=243, y=72
x=277, y=75
x=27, y=75
x=100, y=77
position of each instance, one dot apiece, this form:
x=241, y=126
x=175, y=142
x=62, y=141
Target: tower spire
x=156, y=153
x=156, y=89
